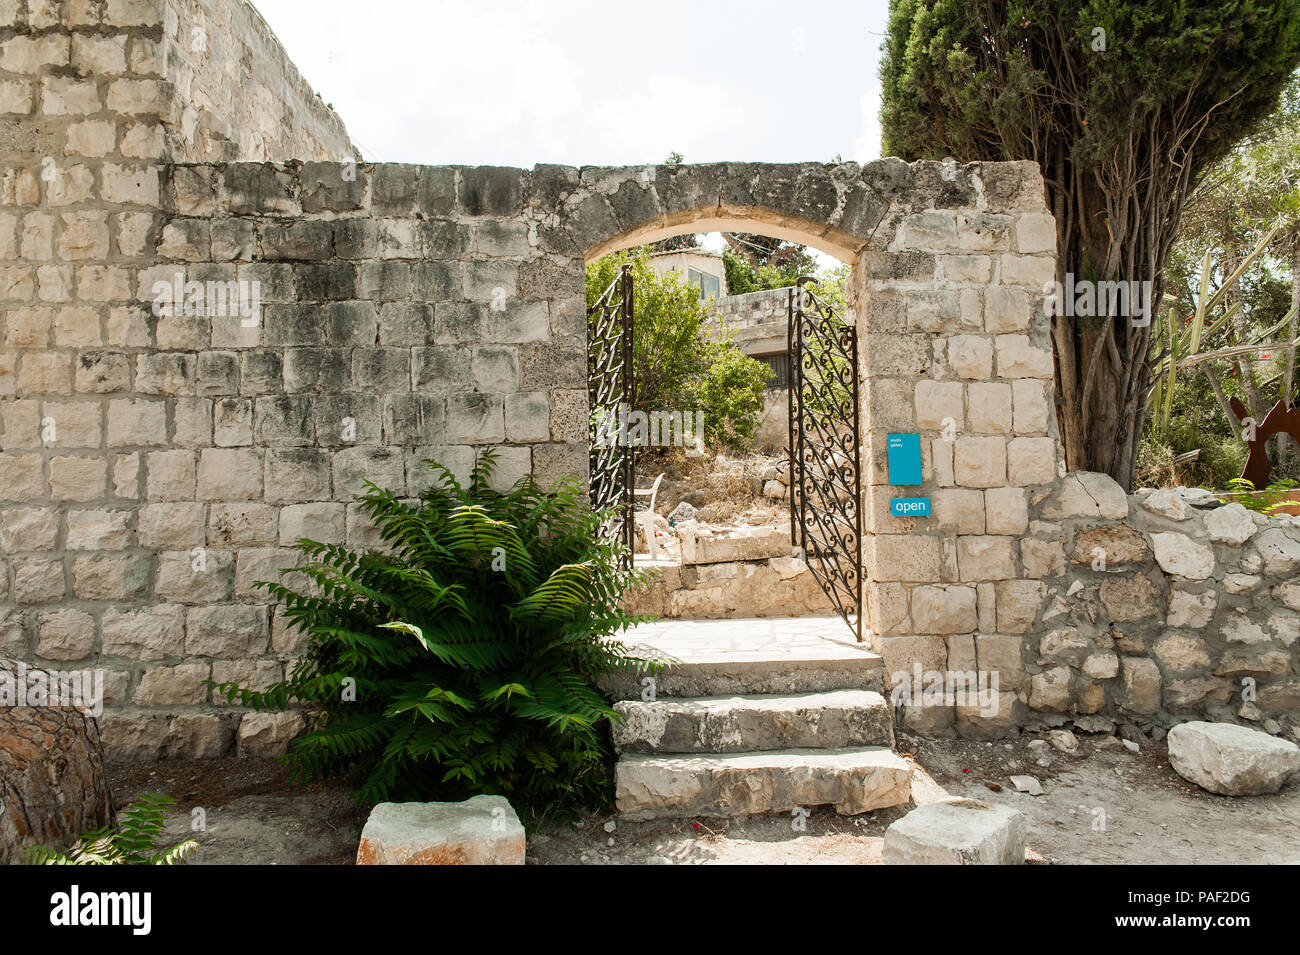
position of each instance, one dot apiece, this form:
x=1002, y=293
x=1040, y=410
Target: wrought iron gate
x=609, y=392
x=825, y=478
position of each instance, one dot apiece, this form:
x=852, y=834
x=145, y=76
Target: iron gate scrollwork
x=609, y=392
x=825, y=479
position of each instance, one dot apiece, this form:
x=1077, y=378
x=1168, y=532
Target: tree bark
x=1284, y=449
x=52, y=786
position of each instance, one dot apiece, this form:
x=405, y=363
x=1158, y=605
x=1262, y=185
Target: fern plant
x=1267, y=500
x=133, y=841
x=464, y=658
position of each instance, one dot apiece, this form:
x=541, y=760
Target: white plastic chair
x=646, y=518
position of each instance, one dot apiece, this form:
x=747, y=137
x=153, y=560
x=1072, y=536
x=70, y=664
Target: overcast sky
x=518, y=82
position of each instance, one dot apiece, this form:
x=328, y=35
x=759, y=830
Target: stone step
x=751, y=656
x=741, y=724
x=854, y=780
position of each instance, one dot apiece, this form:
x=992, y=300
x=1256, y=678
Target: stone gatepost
x=954, y=345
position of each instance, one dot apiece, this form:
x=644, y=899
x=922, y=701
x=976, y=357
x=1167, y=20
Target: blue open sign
x=909, y=506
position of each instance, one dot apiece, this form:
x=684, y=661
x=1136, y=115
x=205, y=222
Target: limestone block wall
x=154, y=463
x=99, y=90
x=1089, y=606
x=954, y=345
x=237, y=96
x=749, y=309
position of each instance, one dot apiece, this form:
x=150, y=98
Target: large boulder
x=960, y=832
x=1232, y=760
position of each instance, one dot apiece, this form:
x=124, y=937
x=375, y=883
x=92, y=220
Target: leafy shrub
x=1264, y=501
x=134, y=841
x=682, y=358
x=1221, y=460
x=464, y=659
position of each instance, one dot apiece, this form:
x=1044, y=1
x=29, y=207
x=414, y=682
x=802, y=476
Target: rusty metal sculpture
x=1281, y=419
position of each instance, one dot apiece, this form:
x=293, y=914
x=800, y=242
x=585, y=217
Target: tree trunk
x=1288, y=376
x=52, y=786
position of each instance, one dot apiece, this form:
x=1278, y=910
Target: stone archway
x=835, y=209
x=949, y=263
x=830, y=208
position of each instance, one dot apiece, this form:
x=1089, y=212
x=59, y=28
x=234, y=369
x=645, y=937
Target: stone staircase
x=754, y=716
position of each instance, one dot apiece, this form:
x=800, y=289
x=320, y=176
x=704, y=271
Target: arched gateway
x=923, y=240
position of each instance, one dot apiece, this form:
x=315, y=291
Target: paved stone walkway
x=755, y=638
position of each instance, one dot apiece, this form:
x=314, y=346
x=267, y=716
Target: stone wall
x=237, y=94
x=1089, y=606
x=1159, y=606
x=405, y=314
x=757, y=316
x=954, y=345
x=97, y=89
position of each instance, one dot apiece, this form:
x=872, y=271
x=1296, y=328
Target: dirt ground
x=1100, y=805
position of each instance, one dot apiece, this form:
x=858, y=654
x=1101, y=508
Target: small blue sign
x=909, y=506
x=904, y=453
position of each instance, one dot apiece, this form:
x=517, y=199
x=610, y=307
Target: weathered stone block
x=961, y=832
x=943, y=609
x=1232, y=760
x=324, y=522
x=178, y=685
x=980, y=461
x=1006, y=510
x=229, y=474
x=483, y=830
x=985, y=558
x=269, y=734
x=474, y=418
x=759, y=543
x=906, y=557
x=1018, y=603
x=1179, y=555
x=854, y=780
x=65, y=635
x=230, y=631
x=1142, y=683
x=98, y=530
x=1050, y=690
x=154, y=633
x=105, y=577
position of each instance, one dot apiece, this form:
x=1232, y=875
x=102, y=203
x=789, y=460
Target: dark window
x=780, y=365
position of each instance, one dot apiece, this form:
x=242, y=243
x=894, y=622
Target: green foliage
x=1222, y=454
x=944, y=94
x=744, y=277
x=464, y=659
x=682, y=358
x=1264, y=501
x=1250, y=198
x=1181, y=346
x=134, y=841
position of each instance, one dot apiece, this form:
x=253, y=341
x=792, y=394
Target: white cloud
x=866, y=144
x=586, y=82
